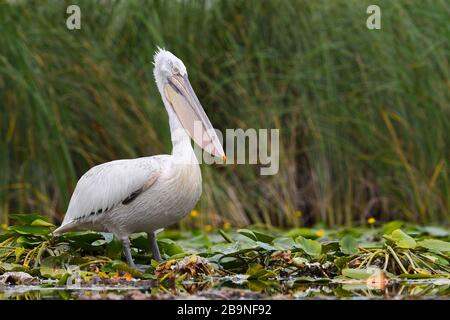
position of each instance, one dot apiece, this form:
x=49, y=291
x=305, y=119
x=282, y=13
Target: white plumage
x=165, y=192
x=145, y=194
x=104, y=188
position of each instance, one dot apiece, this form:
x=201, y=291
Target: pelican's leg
x=154, y=246
x=127, y=252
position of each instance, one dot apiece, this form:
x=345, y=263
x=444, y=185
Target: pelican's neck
x=181, y=142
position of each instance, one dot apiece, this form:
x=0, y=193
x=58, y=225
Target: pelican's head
x=167, y=65
x=177, y=93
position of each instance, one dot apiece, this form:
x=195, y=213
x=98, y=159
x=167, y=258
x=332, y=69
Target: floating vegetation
x=299, y=263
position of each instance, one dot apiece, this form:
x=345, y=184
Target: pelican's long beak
x=189, y=111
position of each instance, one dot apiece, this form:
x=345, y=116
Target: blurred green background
x=364, y=114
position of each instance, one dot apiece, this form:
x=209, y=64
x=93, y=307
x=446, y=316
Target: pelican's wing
x=107, y=185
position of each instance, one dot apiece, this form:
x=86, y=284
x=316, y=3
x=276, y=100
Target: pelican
x=149, y=193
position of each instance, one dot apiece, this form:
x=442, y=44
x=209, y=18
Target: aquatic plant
x=254, y=258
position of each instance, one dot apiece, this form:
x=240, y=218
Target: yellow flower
x=371, y=220
x=195, y=213
x=320, y=233
x=3, y=226
x=208, y=228
x=226, y=225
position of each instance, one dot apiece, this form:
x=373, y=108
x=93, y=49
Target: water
x=226, y=288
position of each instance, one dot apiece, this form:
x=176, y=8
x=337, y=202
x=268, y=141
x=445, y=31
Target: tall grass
x=364, y=114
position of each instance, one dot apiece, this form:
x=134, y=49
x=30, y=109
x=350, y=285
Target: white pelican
x=149, y=193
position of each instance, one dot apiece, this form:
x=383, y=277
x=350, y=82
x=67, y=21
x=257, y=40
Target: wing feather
x=109, y=184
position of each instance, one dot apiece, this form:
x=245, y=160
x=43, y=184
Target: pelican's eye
x=176, y=70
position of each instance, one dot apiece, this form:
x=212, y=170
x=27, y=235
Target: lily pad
x=402, y=239
x=435, y=245
x=284, y=243
x=361, y=274
x=31, y=230
x=304, y=232
x=436, y=258
x=349, y=245
x=256, y=236
x=389, y=227
x=311, y=247
x=436, y=231
x=27, y=240
x=52, y=272
x=169, y=247
x=233, y=248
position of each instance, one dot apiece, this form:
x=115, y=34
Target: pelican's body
x=148, y=193
x=170, y=198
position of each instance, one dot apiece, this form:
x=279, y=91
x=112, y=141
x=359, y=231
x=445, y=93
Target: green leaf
x=257, y=272
x=98, y=243
x=371, y=245
x=140, y=241
x=171, y=234
x=233, y=248
x=107, y=238
x=436, y=258
x=330, y=246
x=255, y=235
x=198, y=243
x=342, y=262
x=118, y=265
x=52, y=272
x=392, y=225
x=41, y=223
x=401, y=239
x=4, y=266
x=304, y=232
x=225, y=236
x=63, y=280
x=361, y=274
x=227, y=262
x=28, y=240
x=180, y=255
x=436, y=231
x=349, y=245
x=435, y=245
x=284, y=243
x=311, y=247
x=32, y=230
x=114, y=249
x=169, y=247
x=265, y=246
x=81, y=239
